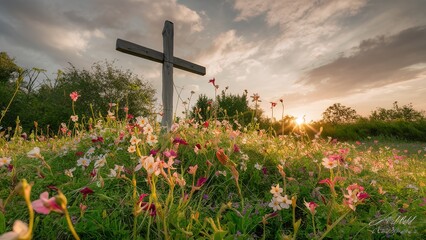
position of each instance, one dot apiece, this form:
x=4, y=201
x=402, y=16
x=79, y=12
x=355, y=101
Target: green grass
x=391, y=172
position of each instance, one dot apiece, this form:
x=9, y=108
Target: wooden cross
x=169, y=61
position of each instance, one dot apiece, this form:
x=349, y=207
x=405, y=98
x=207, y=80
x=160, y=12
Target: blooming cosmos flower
x=329, y=163
x=5, y=161
x=45, y=204
x=74, y=96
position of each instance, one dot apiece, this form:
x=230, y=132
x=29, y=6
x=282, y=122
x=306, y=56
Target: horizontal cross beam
x=156, y=56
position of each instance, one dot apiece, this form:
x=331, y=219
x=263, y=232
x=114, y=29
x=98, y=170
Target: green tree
x=8, y=68
x=338, y=113
x=404, y=113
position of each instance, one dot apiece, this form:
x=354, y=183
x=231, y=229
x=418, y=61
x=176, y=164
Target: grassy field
x=126, y=180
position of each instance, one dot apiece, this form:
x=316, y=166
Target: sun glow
x=299, y=120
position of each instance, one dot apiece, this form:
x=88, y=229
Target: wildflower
x=141, y=121
x=84, y=162
x=74, y=118
x=19, y=231
x=329, y=163
x=148, y=129
x=100, y=162
x=197, y=148
x=131, y=149
x=276, y=191
x=45, y=204
x=179, y=141
x=258, y=166
x=311, y=206
x=180, y=180
x=170, y=153
x=193, y=169
x=86, y=191
x=355, y=195
x=244, y=157
x=151, y=166
x=255, y=98
x=90, y=151
x=221, y=156
x=273, y=104
x=34, y=153
x=69, y=172
x=330, y=183
x=5, y=161
x=236, y=148
x=279, y=202
x=146, y=206
x=151, y=139
x=74, y=96
x=201, y=181
x=134, y=140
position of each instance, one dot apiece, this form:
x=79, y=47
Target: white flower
x=151, y=139
x=90, y=151
x=34, y=153
x=244, y=157
x=84, y=162
x=18, y=231
x=69, y=172
x=141, y=121
x=258, y=166
x=5, y=161
x=131, y=149
x=276, y=190
x=134, y=140
x=148, y=129
x=100, y=162
x=112, y=173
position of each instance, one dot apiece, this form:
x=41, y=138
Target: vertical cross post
x=167, y=93
x=169, y=62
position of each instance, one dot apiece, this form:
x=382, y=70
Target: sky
x=309, y=53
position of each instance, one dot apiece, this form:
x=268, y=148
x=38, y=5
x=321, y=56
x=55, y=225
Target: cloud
x=226, y=51
x=374, y=63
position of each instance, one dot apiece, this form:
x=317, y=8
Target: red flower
x=86, y=191
x=201, y=181
x=273, y=104
x=212, y=81
x=74, y=96
x=206, y=124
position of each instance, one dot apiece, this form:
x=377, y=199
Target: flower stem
x=329, y=228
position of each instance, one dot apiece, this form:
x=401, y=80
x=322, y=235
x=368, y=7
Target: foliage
x=8, y=68
x=122, y=179
x=105, y=88
x=338, y=113
x=403, y=113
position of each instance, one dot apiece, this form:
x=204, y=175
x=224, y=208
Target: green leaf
x=2, y=223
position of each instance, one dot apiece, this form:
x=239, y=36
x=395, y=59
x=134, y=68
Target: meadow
x=111, y=178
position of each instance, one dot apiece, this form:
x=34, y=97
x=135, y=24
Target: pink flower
x=74, y=96
x=45, y=204
x=311, y=206
x=193, y=169
x=201, y=181
x=355, y=195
